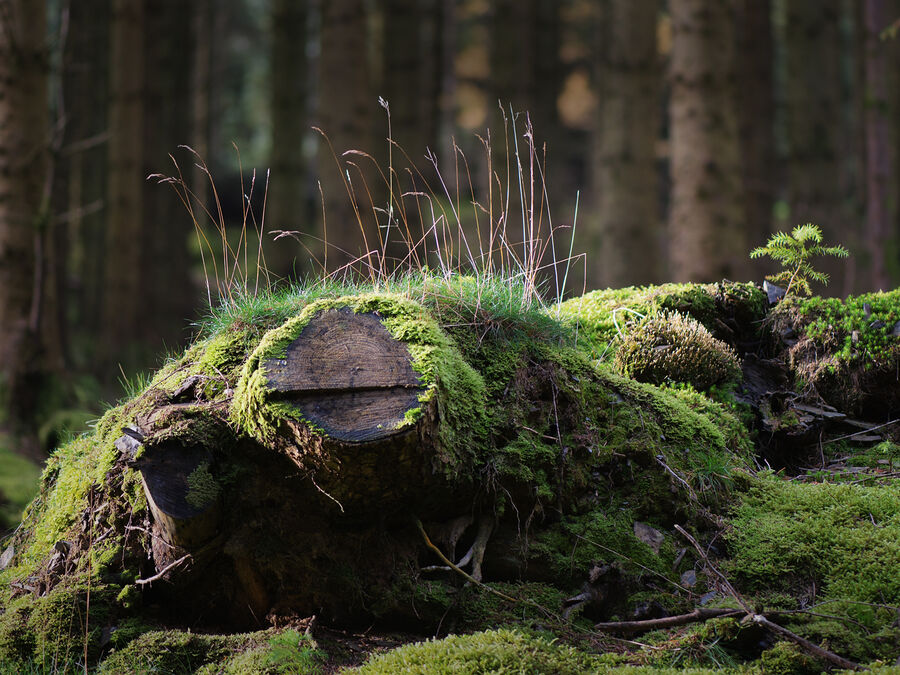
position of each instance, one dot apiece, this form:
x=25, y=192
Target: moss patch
x=602, y=316
x=497, y=651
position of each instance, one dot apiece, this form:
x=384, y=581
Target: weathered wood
x=347, y=375
x=183, y=519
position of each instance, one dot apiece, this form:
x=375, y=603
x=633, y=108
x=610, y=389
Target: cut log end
x=348, y=376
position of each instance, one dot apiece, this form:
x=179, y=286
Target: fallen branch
x=162, y=572
x=760, y=620
x=811, y=647
x=697, y=615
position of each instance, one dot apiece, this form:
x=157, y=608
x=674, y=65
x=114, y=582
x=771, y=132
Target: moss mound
x=674, y=348
x=497, y=651
x=563, y=476
x=848, y=350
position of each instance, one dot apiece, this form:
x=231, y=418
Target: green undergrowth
x=19, y=481
x=856, y=330
x=849, y=350
x=836, y=545
x=497, y=651
x=174, y=651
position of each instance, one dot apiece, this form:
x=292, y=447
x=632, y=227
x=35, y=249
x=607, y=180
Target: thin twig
x=760, y=620
x=163, y=571
x=731, y=590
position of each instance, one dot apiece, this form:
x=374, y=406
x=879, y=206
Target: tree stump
x=347, y=376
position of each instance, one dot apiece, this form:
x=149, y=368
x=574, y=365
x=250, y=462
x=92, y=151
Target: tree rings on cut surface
x=348, y=376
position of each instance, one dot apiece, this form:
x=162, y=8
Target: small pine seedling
x=795, y=251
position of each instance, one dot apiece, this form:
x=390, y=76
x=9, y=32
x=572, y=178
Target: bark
x=23, y=202
x=878, y=147
x=287, y=203
x=166, y=288
x=122, y=311
x=706, y=220
x=624, y=147
x=756, y=103
x=84, y=153
x=411, y=80
x=201, y=85
x=814, y=125
x=346, y=104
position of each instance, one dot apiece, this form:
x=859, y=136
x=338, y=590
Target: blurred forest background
x=688, y=130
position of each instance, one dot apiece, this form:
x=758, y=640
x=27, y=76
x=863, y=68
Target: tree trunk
x=756, y=103
x=706, y=222
x=288, y=200
x=878, y=147
x=624, y=147
x=346, y=103
x=24, y=205
x=814, y=124
x=85, y=89
x=166, y=289
x=122, y=310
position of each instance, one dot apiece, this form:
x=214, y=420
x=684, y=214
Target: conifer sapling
x=795, y=251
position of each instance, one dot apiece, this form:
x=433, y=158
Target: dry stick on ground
x=760, y=620
x=698, y=614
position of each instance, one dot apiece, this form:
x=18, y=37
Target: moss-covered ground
x=578, y=473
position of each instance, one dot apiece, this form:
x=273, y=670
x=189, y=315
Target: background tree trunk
x=756, y=104
x=287, y=205
x=122, y=312
x=346, y=103
x=814, y=124
x=86, y=63
x=878, y=148
x=629, y=250
x=166, y=284
x=706, y=220
x=24, y=204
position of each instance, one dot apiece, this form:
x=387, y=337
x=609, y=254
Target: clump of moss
x=843, y=540
x=849, y=350
x=726, y=309
x=202, y=487
x=496, y=651
x=676, y=348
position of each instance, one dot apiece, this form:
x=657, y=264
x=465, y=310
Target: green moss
x=477, y=608
x=786, y=658
x=176, y=651
x=68, y=475
x=602, y=316
x=287, y=652
x=203, y=489
x=570, y=548
x=845, y=538
x=498, y=651
x=674, y=348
